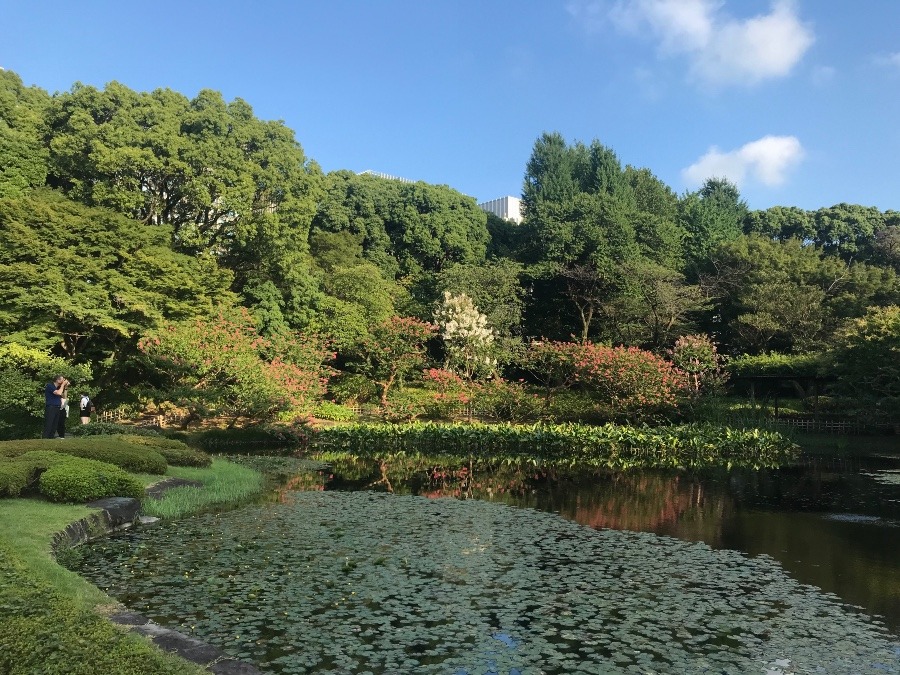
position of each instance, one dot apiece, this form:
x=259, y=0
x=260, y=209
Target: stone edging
x=120, y=513
x=212, y=658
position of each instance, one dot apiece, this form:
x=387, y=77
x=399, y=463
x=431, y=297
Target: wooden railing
x=827, y=426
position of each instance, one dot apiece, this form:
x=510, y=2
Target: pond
x=360, y=569
x=833, y=523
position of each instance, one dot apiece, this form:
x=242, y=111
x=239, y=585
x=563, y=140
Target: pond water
x=832, y=523
x=360, y=568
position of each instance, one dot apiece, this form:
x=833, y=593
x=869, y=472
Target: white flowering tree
x=468, y=340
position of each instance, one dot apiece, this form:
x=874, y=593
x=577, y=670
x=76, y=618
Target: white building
x=386, y=176
x=507, y=207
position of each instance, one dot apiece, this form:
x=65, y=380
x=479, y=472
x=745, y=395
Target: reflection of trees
x=642, y=501
x=302, y=482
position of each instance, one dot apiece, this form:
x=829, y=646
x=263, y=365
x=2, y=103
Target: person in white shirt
x=86, y=406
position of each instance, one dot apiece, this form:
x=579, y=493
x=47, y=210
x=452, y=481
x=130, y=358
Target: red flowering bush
x=449, y=392
x=219, y=365
x=626, y=381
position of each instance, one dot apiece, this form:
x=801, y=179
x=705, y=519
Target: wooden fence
x=826, y=426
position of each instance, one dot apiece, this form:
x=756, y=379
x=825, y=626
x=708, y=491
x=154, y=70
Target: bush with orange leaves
x=624, y=382
x=219, y=366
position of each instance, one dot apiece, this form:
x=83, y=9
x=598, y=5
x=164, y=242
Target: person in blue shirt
x=54, y=393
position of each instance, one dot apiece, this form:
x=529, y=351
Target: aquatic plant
x=610, y=445
x=371, y=583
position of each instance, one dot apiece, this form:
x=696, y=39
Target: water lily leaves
x=334, y=582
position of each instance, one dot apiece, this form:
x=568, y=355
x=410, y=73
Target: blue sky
x=796, y=101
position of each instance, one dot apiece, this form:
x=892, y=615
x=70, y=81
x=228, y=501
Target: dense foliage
x=612, y=446
x=181, y=255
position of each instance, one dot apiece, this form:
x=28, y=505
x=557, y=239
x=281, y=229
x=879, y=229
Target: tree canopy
x=124, y=212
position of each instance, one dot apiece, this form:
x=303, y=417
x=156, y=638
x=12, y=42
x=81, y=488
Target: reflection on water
x=830, y=523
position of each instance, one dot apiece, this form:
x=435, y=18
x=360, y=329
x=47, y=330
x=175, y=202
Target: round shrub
x=111, y=429
x=15, y=475
x=81, y=480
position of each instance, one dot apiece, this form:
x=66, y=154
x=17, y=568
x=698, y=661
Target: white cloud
x=722, y=49
x=891, y=60
x=766, y=161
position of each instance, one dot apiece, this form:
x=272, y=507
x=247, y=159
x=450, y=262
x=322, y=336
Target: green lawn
x=51, y=619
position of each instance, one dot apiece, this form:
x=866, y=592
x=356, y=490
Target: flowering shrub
x=220, y=366
x=468, y=340
x=697, y=358
x=448, y=392
x=628, y=381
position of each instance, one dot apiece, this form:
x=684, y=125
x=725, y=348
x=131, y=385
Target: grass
x=223, y=483
x=49, y=620
x=28, y=528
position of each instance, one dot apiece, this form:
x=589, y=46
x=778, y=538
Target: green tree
x=84, y=283
x=781, y=223
x=657, y=305
x=221, y=181
x=23, y=155
x=589, y=225
x=847, y=230
x=406, y=229
x=786, y=296
x=550, y=174
x=583, y=242
x=712, y=215
x=395, y=350
x=867, y=359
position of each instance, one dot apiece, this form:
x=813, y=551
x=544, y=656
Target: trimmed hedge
x=82, y=480
x=113, y=450
x=19, y=473
x=175, y=452
x=15, y=476
x=65, y=478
